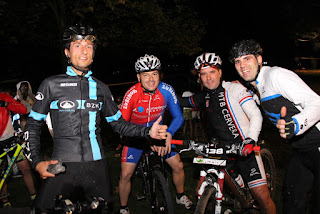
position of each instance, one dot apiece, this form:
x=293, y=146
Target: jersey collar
x=71, y=72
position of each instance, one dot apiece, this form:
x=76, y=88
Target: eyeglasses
x=80, y=37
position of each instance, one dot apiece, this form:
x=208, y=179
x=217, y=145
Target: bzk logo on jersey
x=39, y=96
x=67, y=104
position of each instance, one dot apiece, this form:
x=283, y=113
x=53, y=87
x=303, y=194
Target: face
x=149, y=80
x=210, y=77
x=24, y=88
x=247, y=66
x=80, y=53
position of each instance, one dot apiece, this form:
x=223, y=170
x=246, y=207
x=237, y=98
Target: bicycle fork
x=218, y=185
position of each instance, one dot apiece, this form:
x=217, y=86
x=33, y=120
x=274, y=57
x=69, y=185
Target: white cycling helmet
x=207, y=60
x=147, y=63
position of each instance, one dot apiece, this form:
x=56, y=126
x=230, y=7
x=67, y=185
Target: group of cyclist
x=76, y=101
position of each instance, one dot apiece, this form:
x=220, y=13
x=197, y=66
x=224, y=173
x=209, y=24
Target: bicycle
x=11, y=147
x=212, y=193
x=154, y=183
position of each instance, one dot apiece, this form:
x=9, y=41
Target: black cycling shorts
x=80, y=181
x=252, y=170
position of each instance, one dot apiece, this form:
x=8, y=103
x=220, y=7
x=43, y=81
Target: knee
x=178, y=167
x=125, y=175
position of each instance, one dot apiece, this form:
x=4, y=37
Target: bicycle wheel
x=270, y=169
x=207, y=202
x=161, y=199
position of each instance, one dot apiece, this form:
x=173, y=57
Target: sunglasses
x=80, y=37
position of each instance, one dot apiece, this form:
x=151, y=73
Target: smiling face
x=247, y=67
x=80, y=54
x=210, y=77
x=149, y=80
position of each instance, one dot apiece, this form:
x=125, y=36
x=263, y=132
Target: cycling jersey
x=74, y=103
x=280, y=87
x=231, y=111
x=144, y=108
x=6, y=127
x=233, y=116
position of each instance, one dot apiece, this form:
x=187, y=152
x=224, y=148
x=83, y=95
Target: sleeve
x=14, y=105
x=175, y=110
x=114, y=117
x=252, y=111
x=35, y=121
x=193, y=101
x=293, y=88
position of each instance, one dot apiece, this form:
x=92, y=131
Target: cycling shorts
x=80, y=181
x=252, y=170
x=132, y=155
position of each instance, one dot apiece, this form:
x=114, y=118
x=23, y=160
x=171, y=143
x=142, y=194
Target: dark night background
x=174, y=30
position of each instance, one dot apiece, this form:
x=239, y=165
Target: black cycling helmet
x=78, y=32
x=244, y=47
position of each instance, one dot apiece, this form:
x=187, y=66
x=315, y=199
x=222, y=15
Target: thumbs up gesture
x=286, y=125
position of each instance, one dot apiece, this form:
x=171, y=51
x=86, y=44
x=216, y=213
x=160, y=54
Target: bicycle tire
x=206, y=203
x=163, y=202
x=270, y=170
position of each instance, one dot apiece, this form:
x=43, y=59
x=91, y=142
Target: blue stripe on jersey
x=92, y=89
x=92, y=135
x=37, y=116
x=81, y=104
x=54, y=104
x=270, y=97
x=114, y=117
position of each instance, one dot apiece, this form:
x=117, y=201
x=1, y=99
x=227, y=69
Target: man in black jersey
x=234, y=119
x=75, y=101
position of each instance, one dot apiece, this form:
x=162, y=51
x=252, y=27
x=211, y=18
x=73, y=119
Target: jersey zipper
x=81, y=140
x=149, y=113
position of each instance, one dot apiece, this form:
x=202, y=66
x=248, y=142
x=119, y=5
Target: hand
x=245, y=148
x=42, y=168
x=167, y=148
x=158, y=131
x=285, y=125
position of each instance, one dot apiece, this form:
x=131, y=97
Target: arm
x=35, y=121
x=251, y=109
x=12, y=104
x=291, y=87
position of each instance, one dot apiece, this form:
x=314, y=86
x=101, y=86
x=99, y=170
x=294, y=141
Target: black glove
x=290, y=127
x=245, y=147
x=3, y=103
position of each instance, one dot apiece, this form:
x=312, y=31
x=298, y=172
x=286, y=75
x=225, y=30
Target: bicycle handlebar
x=209, y=149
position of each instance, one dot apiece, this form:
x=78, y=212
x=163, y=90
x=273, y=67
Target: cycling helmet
x=78, y=32
x=207, y=60
x=147, y=63
x=244, y=47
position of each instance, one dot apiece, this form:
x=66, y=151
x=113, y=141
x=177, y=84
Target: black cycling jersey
x=75, y=103
x=231, y=111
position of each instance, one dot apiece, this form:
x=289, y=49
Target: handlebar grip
x=177, y=142
x=256, y=148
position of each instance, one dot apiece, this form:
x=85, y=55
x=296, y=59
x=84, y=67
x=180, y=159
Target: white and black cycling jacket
x=75, y=104
x=280, y=87
x=231, y=111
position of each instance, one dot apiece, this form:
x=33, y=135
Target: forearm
x=32, y=139
x=125, y=128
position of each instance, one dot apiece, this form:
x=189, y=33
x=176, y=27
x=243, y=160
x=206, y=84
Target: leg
x=27, y=176
x=127, y=170
x=298, y=182
x=177, y=172
x=262, y=196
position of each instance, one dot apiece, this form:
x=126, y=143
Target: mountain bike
x=214, y=196
x=151, y=171
x=11, y=147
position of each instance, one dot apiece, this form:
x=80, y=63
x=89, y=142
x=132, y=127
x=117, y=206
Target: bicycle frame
x=18, y=149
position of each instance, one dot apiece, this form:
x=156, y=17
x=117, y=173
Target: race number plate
x=210, y=161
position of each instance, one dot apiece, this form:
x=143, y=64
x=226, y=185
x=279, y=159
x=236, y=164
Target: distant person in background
x=26, y=97
x=197, y=124
x=187, y=115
